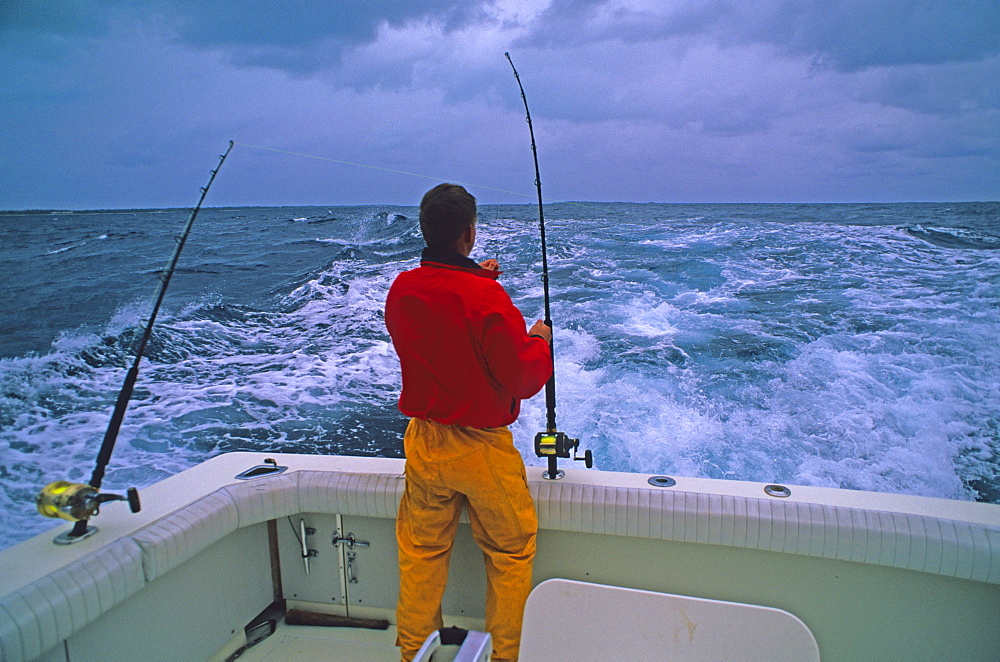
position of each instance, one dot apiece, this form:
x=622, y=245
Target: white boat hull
x=872, y=576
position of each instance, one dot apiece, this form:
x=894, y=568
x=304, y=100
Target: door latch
x=348, y=540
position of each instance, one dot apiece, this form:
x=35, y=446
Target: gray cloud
x=299, y=37
x=50, y=16
x=944, y=89
x=852, y=35
x=848, y=35
x=121, y=102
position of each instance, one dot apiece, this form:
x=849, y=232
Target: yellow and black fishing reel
x=77, y=501
x=557, y=444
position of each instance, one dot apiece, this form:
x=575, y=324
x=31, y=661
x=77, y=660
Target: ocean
x=839, y=345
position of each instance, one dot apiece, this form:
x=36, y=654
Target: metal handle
x=352, y=576
x=349, y=540
x=306, y=552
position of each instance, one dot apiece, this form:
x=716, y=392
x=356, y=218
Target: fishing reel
x=76, y=501
x=554, y=445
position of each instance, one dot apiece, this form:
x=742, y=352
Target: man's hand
x=542, y=329
x=490, y=265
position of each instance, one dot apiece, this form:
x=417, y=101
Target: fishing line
x=410, y=174
x=374, y=167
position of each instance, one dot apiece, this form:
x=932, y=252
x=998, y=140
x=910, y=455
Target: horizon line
x=72, y=210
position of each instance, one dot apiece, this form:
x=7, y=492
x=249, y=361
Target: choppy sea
x=844, y=345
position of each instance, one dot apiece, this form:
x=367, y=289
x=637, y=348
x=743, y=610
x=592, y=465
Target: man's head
x=447, y=214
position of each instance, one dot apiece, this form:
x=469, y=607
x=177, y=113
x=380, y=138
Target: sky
x=129, y=103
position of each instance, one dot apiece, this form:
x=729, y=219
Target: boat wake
x=689, y=341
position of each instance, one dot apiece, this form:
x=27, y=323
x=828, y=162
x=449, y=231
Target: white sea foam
x=765, y=349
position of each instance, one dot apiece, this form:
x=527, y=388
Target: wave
x=820, y=353
x=57, y=251
x=74, y=245
x=955, y=237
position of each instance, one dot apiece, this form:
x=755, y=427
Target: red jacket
x=464, y=352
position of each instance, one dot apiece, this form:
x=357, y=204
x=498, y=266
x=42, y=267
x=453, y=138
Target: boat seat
x=571, y=620
x=474, y=646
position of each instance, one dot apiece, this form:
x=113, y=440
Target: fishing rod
x=79, y=502
x=550, y=444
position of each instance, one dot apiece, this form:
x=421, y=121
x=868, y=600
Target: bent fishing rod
x=79, y=502
x=550, y=444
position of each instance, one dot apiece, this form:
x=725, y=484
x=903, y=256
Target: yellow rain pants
x=447, y=467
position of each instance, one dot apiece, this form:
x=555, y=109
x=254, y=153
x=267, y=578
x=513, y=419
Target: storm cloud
x=124, y=103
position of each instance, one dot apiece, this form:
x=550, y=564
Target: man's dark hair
x=446, y=211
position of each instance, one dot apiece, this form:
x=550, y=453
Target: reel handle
x=133, y=499
x=131, y=495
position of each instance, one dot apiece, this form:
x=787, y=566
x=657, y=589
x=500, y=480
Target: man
x=467, y=362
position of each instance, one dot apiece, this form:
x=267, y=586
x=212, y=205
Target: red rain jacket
x=463, y=348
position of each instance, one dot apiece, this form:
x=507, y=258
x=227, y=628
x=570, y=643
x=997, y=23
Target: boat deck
x=309, y=642
x=293, y=643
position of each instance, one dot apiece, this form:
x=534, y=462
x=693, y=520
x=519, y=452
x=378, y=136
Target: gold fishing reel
x=553, y=444
x=77, y=501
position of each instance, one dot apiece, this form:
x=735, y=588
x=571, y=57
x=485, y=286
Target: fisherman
x=467, y=362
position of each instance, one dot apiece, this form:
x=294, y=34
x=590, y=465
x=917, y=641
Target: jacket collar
x=443, y=257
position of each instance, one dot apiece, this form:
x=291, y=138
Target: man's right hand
x=542, y=329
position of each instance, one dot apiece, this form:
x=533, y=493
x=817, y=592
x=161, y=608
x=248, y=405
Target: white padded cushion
x=170, y=541
x=364, y=495
x=913, y=542
x=43, y=613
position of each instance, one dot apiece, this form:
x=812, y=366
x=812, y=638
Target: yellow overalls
x=447, y=467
